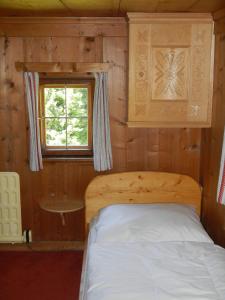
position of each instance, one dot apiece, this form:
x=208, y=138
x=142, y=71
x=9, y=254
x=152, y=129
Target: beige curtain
x=31, y=87
x=221, y=182
x=101, y=129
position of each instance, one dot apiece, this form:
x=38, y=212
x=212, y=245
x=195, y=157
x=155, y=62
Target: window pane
x=55, y=132
x=77, y=132
x=54, y=102
x=77, y=102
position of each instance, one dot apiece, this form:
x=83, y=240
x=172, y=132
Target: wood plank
x=4, y=128
x=187, y=158
x=135, y=138
x=219, y=26
x=16, y=105
x=143, y=124
x=206, y=5
x=213, y=213
x=219, y=14
x=152, y=151
x=62, y=27
x=62, y=67
x=62, y=20
x=114, y=52
x=165, y=150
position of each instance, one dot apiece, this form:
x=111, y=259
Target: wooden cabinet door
x=170, y=70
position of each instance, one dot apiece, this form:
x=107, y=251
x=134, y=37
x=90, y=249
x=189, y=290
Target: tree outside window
x=65, y=118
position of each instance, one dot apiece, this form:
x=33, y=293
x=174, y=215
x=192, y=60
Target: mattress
x=158, y=271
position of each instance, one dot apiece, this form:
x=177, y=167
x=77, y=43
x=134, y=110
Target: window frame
x=61, y=151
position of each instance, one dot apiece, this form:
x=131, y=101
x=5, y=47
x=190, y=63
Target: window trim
x=60, y=151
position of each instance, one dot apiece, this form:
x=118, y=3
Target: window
x=66, y=118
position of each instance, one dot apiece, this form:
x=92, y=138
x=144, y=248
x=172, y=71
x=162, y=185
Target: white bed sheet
x=153, y=271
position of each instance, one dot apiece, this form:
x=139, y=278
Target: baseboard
x=44, y=246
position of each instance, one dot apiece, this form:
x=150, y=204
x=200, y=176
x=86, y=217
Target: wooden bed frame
x=140, y=187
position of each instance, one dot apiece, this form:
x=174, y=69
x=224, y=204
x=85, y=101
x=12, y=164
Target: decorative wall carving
x=170, y=67
x=170, y=71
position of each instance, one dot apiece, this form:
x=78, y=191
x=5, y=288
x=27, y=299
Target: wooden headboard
x=140, y=187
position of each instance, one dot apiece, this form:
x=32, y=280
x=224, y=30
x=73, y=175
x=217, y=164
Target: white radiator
x=10, y=208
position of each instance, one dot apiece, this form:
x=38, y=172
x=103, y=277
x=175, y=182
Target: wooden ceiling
x=103, y=7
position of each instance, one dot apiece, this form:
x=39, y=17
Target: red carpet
x=40, y=275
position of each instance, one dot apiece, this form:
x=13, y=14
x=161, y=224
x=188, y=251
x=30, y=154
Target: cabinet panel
x=170, y=71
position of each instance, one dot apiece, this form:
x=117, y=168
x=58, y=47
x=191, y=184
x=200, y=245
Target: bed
x=146, y=241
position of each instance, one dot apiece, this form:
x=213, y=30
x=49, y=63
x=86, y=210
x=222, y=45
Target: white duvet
x=151, y=252
x=155, y=271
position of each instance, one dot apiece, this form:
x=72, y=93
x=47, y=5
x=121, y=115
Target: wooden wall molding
x=62, y=27
x=44, y=246
x=165, y=17
x=62, y=67
x=62, y=20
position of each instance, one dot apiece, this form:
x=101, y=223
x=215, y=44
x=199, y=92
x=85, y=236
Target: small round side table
x=61, y=207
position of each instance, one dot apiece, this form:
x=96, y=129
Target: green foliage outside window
x=66, y=116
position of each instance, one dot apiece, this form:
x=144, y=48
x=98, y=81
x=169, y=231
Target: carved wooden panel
x=170, y=73
x=170, y=70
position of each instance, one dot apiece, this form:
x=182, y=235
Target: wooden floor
x=44, y=246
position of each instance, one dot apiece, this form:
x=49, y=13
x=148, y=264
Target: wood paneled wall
x=213, y=213
x=172, y=150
